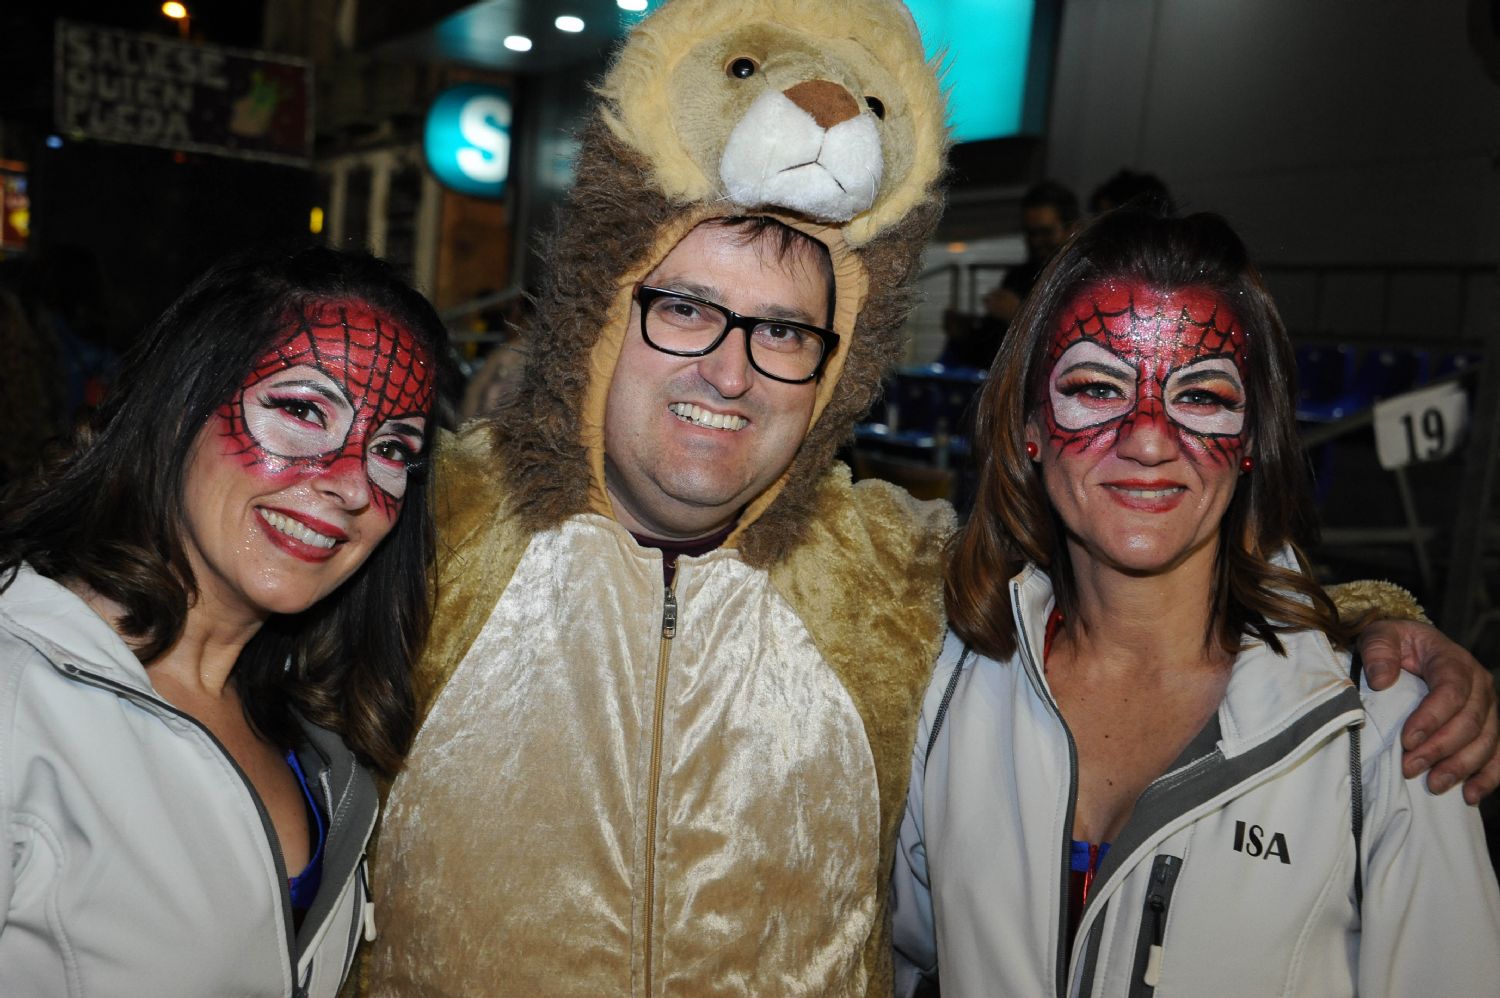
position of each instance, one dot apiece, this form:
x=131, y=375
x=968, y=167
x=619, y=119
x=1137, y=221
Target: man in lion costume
x=626, y=787
x=669, y=701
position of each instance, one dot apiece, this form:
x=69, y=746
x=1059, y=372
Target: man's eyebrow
x=766, y=311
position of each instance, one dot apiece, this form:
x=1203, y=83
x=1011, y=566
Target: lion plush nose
x=806, y=148
x=828, y=103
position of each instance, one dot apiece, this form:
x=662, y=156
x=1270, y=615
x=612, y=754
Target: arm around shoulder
x=1430, y=922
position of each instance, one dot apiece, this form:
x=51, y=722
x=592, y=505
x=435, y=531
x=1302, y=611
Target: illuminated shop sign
x=121, y=86
x=467, y=139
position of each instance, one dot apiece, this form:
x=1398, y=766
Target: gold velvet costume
x=603, y=802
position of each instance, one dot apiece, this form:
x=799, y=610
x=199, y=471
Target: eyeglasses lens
x=780, y=350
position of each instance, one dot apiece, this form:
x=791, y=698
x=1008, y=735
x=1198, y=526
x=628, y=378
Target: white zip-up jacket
x=138, y=860
x=1236, y=872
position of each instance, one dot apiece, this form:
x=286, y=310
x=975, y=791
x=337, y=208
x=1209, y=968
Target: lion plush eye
x=877, y=107
x=742, y=68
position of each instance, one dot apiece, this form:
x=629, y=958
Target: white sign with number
x=1420, y=426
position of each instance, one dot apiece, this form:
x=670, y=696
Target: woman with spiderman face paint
x=207, y=612
x=1143, y=767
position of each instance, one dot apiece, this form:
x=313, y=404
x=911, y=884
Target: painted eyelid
x=1080, y=386
x=283, y=404
x=413, y=454
x=1223, y=393
x=1214, y=399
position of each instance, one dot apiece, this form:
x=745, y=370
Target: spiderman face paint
x=296, y=479
x=1144, y=417
x=346, y=386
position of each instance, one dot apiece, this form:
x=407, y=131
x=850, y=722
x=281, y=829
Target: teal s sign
x=467, y=139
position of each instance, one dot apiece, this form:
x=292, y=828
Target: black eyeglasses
x=687, y=326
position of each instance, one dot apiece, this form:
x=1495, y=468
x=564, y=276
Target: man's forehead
x=720, y=262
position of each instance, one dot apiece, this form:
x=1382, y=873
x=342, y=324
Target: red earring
x=1032, y=450
x=1247, y=464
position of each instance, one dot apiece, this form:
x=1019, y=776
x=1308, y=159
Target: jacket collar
x=59, y=624
x=1254, y=709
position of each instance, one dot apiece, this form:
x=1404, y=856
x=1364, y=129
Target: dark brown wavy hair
x=110, y=512
x=1013, y=523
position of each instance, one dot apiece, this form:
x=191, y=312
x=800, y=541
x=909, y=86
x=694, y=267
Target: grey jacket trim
x=1183, y=791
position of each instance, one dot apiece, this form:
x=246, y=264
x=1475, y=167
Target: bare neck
x=201, y=661
x=1140, y=623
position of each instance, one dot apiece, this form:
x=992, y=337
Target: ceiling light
x=518, y=43
x=633, y=5
x=174, y=10
x=569, y=23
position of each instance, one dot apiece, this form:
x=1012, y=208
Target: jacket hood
x=680, y=136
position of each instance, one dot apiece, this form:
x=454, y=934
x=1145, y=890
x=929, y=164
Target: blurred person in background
x=1132, y=187
x=67, y=299
x=30, y=386
x=1049, y=215
x=207, y=614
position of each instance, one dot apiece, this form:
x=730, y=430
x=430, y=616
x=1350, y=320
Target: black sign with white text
x=121, y=86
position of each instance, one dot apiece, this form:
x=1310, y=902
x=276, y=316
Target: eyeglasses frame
x=645, y=294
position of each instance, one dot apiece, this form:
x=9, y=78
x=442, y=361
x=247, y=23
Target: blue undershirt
x=304, y=886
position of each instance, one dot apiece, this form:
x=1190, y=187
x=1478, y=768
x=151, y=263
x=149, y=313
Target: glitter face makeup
x=345, y=385
x=1142, y=430
x=302, y=473
x=1124, y=356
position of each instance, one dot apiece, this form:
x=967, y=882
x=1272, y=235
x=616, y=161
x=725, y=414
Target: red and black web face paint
x=347, y=384
x=1126, y=357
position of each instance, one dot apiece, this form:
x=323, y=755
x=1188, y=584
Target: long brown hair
x=1013, y=523
x=110, y=512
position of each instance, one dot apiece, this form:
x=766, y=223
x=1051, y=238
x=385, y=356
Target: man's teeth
x=702, y=417
x=300, y=531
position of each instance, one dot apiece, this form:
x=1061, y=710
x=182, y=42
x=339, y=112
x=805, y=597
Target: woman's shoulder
x=1386, y=710
x=957, y=657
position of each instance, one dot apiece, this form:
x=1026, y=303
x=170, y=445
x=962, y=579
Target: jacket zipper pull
x=367, y=909
x=1156, y=900
x=669, y=615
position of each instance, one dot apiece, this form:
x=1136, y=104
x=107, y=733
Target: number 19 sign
x=1420, y=426
x=467, y=139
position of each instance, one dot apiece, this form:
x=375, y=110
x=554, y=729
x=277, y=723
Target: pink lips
x=1146, y=496
x=301, y=549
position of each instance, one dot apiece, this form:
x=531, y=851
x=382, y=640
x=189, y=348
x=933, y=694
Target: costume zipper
x=1148, y=947
x=157, y=703
x=668, y=632
x=1065, y=860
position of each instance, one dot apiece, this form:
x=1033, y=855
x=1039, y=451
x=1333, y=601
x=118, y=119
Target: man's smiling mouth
x=687, y=412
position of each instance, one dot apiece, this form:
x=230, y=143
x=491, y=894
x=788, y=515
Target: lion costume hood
x=826, y=116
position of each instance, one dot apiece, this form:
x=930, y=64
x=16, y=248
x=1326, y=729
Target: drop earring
x=1032, y=450
x=1247, y=464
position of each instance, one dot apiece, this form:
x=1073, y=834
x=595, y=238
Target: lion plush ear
x=828, y=110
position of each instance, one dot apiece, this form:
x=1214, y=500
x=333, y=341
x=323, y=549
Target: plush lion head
x=828, y=110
